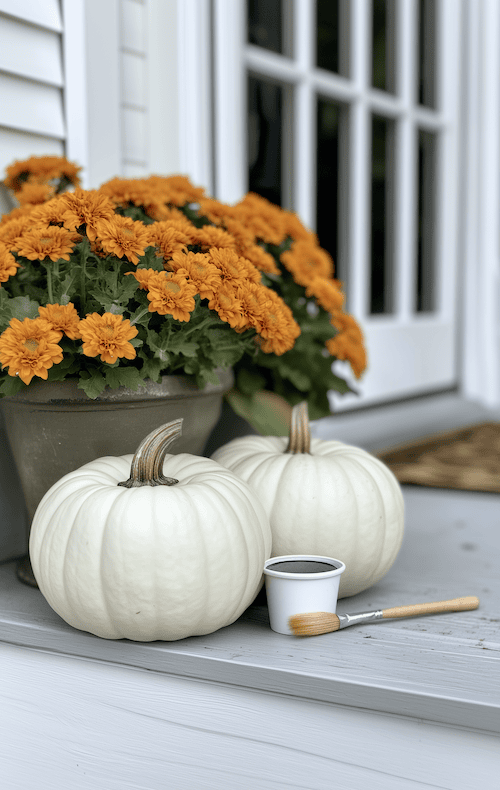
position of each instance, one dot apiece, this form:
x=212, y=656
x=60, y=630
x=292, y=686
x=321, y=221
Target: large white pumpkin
x=174, y=555
x=323, y=497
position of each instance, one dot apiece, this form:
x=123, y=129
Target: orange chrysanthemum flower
x=261, y=259
x=305, y=262
x=210, y=236
x=86, y=207
x=296, y=230
x=123, y=236
x=40, y=243
x=143, y=276
x=204, y=275
x=39, y=170
x=171, y=294
x=176, y=190
x=255, y=301
x=214, y=209
x=279, y=330
x=264, y=219
x=11, y=231
x=169, y=237
x=31, y=194
x=327, y=293
x=29, y=348
x=107, y=336
x=22, y=213
x=8, y=264
x=227, y=305
x=232, y=266
x=64, y=318
x=348, y=344
x=50, y=213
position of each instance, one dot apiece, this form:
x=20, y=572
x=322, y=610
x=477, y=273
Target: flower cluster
x=147, y=277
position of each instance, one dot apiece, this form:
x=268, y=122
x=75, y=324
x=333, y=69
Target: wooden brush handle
x=455, y=605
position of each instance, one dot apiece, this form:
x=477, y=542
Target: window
x=350, y=116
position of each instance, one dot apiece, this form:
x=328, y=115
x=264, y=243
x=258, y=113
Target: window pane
x=382, y=216
x=332, y=36
x=427, y=30
x=383, y=45
x=426, y=253
x=265, y=114
x=265, y=24
x=330, y=183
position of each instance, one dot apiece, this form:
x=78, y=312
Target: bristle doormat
x=468, y=459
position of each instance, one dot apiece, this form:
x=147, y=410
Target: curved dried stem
x=300, y=435
x=147, y=464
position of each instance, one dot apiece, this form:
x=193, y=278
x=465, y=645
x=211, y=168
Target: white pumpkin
x=157, y=556
x=323, y=497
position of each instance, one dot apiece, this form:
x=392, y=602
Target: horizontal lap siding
x=31, y=82
x=133, y=68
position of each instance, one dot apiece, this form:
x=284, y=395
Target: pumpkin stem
x=146, y=468
x=300, y=435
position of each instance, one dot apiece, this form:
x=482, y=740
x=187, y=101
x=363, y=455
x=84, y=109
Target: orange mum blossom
x=107, y=336
x=41, y=169
x=204, y=275
x=211, y=236
x=11, y=231
x=306, y=261
x=232, y=266
x=243, y=236
x=122, y=237
x=40, y=243
x=134, y=192
x=64, y=318
x=143, y=276
x=86, y=207
x=227, y=305
x=167, y=238
x=171, y=294
x=21, y=212
x=261, y=259
x=50, y=213
x=32, y=194
x=297, y=230
x=255, y=302
x=177, y=190
x=348, y=344
x=29, y=348
x=326, y=292
x=8, y=264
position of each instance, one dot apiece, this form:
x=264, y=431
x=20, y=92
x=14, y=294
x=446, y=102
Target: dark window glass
x=265, y=24
x=383, y=45
x=426, y=251
x=427, y=37
x=332, y=36
x=382, y=223
x=330, y=122
x=265, y=114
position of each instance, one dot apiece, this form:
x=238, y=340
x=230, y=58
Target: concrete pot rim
x=56, y=393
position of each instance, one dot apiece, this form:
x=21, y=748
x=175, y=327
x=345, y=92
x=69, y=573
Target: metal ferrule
x=359, y=617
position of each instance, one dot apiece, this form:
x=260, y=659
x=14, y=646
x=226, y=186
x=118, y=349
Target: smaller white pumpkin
x=176, y=550
x=323, y=497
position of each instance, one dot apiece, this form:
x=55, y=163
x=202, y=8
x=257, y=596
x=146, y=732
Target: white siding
x=134, y=117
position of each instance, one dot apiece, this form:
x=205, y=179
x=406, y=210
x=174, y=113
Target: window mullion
x=231, y=177
x=405, y=203
x=359, y=162
x=304, y=186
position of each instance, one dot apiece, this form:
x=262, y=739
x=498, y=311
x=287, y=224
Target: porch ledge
x=441, y=668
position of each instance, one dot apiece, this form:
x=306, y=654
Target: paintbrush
x=314, y=623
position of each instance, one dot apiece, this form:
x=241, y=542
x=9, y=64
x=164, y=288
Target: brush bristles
x=313, y=623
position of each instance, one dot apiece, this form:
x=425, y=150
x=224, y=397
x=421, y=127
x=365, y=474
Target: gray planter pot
x=53, y=428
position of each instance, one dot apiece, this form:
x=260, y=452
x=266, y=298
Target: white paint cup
x=294, y=586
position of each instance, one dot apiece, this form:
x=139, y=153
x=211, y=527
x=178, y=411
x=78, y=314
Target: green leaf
x=23, y=307
x=11, y=385
x=92, y=383
x=177, y=345
x=123, y=377
x=152, y=369
x=299, y=379
x=267, y=413
x=249, y=383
